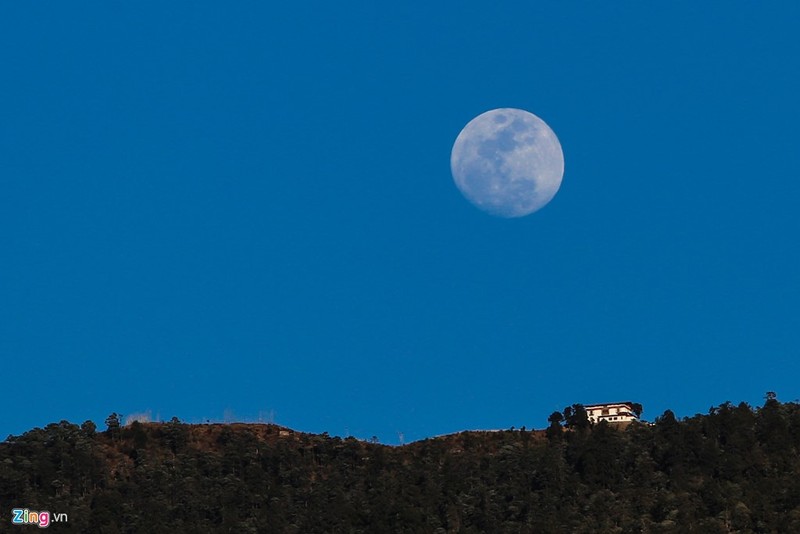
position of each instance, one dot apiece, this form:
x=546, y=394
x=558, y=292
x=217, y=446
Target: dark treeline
x=735, y=469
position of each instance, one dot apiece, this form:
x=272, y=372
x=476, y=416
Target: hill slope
x=736, y=469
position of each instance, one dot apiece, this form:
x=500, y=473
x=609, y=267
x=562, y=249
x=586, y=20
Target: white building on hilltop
x=614, y=412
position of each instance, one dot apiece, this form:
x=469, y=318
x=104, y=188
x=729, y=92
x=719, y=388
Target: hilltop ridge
x=735, y=469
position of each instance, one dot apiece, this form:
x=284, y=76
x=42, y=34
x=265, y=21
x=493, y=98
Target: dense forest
x=734, y=469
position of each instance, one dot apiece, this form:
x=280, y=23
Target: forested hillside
x=735, y=469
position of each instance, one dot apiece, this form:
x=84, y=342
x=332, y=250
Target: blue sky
x=242, y=208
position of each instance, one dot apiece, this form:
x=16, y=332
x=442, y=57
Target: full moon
x=507, y=162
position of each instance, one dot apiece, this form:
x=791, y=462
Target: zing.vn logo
x=23, y=516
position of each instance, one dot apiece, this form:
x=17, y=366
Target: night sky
x=244, y=211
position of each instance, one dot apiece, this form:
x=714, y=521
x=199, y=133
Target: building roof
x=628, y=403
